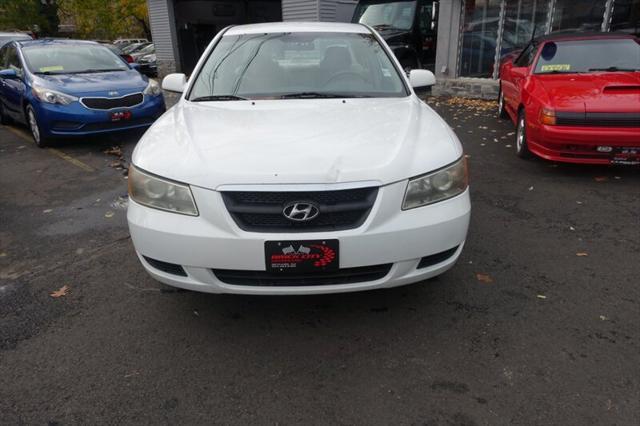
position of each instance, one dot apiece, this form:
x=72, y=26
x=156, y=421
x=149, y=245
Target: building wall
x=164, y=36
x=300, y=10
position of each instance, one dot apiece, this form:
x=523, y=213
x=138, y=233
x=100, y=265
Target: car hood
x=297, y=141
x=123, y=82
x=594, y=92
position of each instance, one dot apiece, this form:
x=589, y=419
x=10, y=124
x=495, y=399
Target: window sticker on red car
x=556, y=67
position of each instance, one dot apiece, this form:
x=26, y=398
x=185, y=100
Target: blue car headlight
x=153, y=89
x=52, y=96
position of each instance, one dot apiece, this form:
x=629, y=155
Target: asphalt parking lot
x=538, y=323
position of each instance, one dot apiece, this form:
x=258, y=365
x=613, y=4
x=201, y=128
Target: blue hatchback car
x=62, y=88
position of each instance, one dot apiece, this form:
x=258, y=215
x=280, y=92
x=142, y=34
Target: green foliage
x=35, y=15
x=100, y=19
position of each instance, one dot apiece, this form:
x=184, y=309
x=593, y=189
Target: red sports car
x=575, y=98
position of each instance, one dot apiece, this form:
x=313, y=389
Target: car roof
x=49, y=42
x=298, y=27
x=581, y=35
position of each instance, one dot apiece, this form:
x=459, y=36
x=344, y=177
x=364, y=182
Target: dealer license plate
x=301, y=256
x=628, y=156
x=120, y=116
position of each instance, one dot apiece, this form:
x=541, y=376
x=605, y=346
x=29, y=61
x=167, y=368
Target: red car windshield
x=579, y=56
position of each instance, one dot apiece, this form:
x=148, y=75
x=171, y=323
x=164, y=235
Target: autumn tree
x=39, y=16
x=100, y=19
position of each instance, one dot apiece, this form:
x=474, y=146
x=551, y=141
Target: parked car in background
x=115, y=49
x=575, y=98
x=132, y=48
x=148, y=65
x=326, y=174
x=6, y=37
x=63, y=88
x=410, y=27
x=123, y=42
x=147, y=50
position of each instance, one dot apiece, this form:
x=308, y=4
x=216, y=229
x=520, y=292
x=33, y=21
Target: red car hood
x=593, y=92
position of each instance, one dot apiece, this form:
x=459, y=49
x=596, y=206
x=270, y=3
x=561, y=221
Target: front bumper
x=214, y=241
x=76, y=120
x=571, y=144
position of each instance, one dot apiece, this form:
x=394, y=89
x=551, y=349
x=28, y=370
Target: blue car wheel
x=35, y=128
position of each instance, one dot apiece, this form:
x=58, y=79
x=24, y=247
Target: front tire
x=502, y=111
x=34, y=127
x=522, y=148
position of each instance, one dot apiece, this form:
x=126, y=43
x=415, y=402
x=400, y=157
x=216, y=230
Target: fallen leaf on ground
x=115, y=150
x=541, y=296
x=108, y=215
x=531, y=188
x=62, y=291
x=47, y=211
x=484, y=278
x=582, y=254
x=603, y=318
x=572, y=228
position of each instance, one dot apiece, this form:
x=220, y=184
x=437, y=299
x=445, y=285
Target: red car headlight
x=548, y=117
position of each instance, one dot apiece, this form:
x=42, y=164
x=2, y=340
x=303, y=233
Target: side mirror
x=174, y=83
x=9, y=74
x=420, y=79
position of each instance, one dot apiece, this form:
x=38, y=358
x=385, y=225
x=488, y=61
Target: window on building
x=493, y=28
x=479, y=38
x=626, y=16
x=583, y=15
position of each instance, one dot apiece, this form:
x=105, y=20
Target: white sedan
x=299, y=160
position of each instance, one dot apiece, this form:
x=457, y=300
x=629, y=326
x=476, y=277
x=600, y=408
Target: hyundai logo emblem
x=301, y=211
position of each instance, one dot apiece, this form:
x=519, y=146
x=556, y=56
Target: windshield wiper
x=318, y=95
x=92, y=71
x=50, y=72
x=219, y=98
x=614, y=69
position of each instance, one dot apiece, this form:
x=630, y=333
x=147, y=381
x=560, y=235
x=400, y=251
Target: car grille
x=268, y=279
x=262, y=211
x=598, y=119
x=110, y=103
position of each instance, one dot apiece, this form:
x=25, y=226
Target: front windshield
x=579, y=56
x=383, y=15
x=71, y=59
x=277, y=65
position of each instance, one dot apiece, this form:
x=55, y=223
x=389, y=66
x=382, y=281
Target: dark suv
x=409, y=27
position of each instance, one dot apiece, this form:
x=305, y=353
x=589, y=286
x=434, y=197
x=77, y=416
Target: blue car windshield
x=71, y=59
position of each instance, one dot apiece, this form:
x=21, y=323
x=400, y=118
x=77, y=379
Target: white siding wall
x=161, y=29
x=337, y=10
x=300, y=10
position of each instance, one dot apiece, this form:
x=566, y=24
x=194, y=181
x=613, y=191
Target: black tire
x=34, y=127
x=502, y=111
x=522, y=149
x=4, y=118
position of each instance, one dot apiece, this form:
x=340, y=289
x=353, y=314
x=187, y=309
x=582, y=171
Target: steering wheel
x=342, y=74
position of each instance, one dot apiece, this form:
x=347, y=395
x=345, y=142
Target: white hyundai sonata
x=299, y=160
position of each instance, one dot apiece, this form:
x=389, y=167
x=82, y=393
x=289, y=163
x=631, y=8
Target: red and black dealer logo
x=301, y=256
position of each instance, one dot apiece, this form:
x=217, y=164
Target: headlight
x=160, y=193
x=436, y=186
x=153, y=88
x=51, y=96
